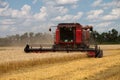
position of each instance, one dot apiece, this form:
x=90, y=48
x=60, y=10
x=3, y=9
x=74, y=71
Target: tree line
x=110, y=37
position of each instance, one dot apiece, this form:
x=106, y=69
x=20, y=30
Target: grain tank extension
x=71, y=37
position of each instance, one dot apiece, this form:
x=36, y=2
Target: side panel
x=78, y=36
x=57, y=37
x=87, y=35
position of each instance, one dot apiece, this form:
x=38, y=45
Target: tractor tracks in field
x=112, y=73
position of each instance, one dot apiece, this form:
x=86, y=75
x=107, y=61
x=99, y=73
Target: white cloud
x=114, y=3
x=55, y=11
x=23, y=13
x=58, y=8
x=26, y=8
x=42, y=15
x=98, y=15
x=113, y=15
x=60, y=2
x=8, y=30
x=111, y=11
x=105, y=5
x=25, y=18
x=3, y=4
x=96, y=3
x=14, y=13
x=62, y=9
x=7, y=22
x=12, y=29
x=43, y=27
x=68, y=17
x=66, y=1
x=103, y=24
x=94, y=14
x=4, y=28
x=78, y=16
x=62, y=18
x=50, y=11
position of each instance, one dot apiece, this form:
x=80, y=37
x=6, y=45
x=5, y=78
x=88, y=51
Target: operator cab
x=67, y=33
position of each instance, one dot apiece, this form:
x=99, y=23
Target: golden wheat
x=106, y=68
x=15, y=58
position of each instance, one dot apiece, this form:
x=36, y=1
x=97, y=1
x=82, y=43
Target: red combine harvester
x=71, y=37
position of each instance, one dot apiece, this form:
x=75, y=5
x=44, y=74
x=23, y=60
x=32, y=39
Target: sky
x=20, y=16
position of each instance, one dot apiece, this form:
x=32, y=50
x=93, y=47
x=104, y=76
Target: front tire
x=99, y=54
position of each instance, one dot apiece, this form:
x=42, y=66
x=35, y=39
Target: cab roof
x=68, y=24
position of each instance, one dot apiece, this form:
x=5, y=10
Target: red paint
x=57, y=36
x=78, y=33
x=91, y=54
x=78, y=36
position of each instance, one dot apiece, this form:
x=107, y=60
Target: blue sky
x=20, y=16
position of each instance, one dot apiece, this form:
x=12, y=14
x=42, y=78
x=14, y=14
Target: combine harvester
x=71, y=37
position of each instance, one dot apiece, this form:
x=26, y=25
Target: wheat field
x=17, y=65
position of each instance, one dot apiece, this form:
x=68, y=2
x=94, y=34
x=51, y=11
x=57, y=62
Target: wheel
x=54, y=48
x=99, y=54
x=26, y=49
